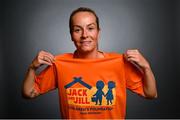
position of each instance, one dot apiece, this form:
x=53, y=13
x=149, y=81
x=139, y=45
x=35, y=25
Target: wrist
x=32, y=67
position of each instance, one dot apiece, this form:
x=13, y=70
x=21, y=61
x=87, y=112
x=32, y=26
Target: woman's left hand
x=135, y=57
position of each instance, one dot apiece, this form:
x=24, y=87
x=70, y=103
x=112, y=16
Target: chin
x=86, y=50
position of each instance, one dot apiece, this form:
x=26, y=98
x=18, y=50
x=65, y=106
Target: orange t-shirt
x=91, y=88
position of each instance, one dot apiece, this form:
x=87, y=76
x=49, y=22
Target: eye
x=77, y=30
x=91, y=28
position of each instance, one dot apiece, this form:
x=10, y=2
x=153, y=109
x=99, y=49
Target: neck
x=88, y=55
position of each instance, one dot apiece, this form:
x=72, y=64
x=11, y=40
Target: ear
x=71, y=36
x=99, y=32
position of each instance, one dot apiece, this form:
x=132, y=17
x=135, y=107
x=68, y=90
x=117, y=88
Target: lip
x=86, y=42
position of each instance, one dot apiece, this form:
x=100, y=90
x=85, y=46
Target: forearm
x=28, y=89
x=149, y=83
x=28, y=84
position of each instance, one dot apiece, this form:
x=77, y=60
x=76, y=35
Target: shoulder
x=113, y=54
x=64, y=55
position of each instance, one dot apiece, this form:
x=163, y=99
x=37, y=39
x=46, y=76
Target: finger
x=49, y=55
x=132, y=52
x=44, y=54
x=135, y=62
x=131, y=56
x=128, y=56
x=129, y=53
x=47, y=58
x=133, y=59
x=50, y=58
x=46, y=63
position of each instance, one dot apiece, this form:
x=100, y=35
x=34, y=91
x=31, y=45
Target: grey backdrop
x=28, y=26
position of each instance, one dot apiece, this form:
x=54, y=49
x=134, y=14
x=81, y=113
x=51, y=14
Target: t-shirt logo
x=97, y=95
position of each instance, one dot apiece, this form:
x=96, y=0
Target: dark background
x=28, y=26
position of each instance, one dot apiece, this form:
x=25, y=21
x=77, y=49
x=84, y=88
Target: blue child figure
x=109, y=95
x=99, y=94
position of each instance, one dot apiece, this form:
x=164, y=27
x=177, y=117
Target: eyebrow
x=91, y=24
x=87, y=25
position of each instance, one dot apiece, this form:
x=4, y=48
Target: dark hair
x=82, y=9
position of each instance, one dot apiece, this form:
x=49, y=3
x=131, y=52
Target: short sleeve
x=46, y=80
x=133, y=76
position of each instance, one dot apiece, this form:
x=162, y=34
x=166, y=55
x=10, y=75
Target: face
x=85, y=33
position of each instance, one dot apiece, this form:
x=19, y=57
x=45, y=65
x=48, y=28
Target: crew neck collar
x=103, y=53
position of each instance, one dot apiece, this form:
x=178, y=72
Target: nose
x=84, y=34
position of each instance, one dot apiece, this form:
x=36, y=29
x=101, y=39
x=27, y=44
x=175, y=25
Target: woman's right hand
x=42, y=57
